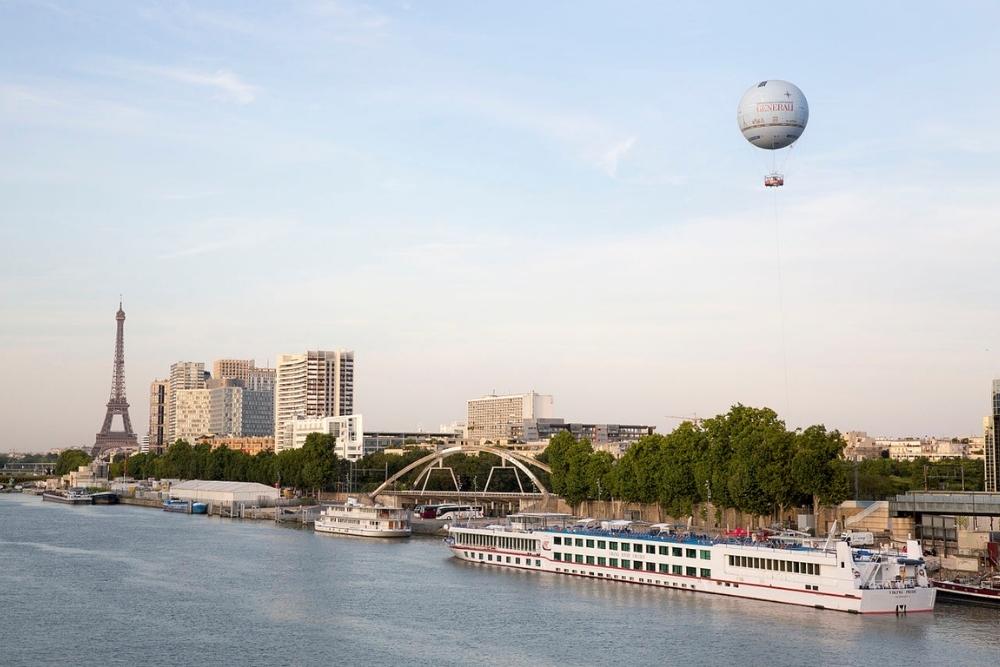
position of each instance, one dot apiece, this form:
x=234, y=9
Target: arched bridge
x=520, y=461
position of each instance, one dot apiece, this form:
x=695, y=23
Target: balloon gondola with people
x=772, y=115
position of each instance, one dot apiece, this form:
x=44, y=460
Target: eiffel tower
x=117, y=405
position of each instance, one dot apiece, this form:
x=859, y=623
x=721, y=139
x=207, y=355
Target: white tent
x=250, y=493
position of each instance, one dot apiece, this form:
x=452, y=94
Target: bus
x=452, y=512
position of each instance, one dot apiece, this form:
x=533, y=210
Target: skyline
x=551, y=198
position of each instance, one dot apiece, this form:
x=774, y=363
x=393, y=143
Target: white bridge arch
x=516, y=459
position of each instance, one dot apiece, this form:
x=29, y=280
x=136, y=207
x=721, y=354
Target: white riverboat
x=353, y=518
x=832, y=576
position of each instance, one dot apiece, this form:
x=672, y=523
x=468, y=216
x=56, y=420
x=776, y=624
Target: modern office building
x=183, y=375
x=159, y=391
x=991, y=445
x=192, y=414
x=499, y=418
x=347, y=429
x=534, y=430
x=261, y=379
x=314, y=384
x=238, y=412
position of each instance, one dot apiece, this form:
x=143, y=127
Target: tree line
x=745, y=459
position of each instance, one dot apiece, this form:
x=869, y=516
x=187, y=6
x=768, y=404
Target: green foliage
x=745, y=459
x=70, y=460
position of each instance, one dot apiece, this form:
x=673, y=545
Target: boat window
x=538, y=563
x=557, y=540
x=590, y=544
x=601, y=560
x=706, y=555
x=637, y=548
x=651, y=567
x=664, y=568
x=795, y=567
x=626, y=546
x=613, y=562
x=664, y=551
x=578, y=558
x=613, y=546
x=816, y=570
x=706, y=573
x=691, y=553
x=676, y=569
x=626, y=563
x=637, y=565
x=651, y=548
x=579, y=542
x=556, y=555
x=691, y=571
x=590, y=560
x=677, y=551
x=601, y=544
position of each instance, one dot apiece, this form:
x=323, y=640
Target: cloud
x=228, y=86
x=609, y=161
x=223, y=234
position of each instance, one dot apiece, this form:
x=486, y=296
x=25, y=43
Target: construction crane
x=694, y=419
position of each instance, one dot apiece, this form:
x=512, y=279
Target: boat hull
x=361, y=532
x=66, y=500
x=869, y=601
x=967, y=593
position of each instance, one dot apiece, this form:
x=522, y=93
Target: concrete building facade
x=183, y=375
x=314, y=384
x=347, y=429
x=192, y=414
x=159, y=393
x=499, y=418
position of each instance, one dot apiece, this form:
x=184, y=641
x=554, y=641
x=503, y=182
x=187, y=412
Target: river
x=121, y=585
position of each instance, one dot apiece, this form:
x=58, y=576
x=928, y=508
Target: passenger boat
x=832, y=576
x=70, y=497
x=982, y=590
x=184, y=506
x=353, y=518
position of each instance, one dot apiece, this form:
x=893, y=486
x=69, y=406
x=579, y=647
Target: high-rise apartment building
x=159, y=391
x=232, y=369
x=497, y=418
x=192, y=414
x=314, y=384
x=183, y=375
x=991, y=446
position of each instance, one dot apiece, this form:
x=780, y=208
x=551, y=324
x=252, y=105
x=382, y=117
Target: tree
x=70, y=460
x=816, y=469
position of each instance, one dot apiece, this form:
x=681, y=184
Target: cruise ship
x=353, y=518
x=829, y=576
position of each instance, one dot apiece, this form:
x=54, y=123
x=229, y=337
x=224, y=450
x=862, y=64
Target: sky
x=481, y=197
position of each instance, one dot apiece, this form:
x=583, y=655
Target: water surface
x=119, y=585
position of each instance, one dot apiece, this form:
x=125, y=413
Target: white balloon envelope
x=773, y=114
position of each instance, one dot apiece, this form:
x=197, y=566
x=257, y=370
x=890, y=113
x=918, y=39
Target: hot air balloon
x=772, y=115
